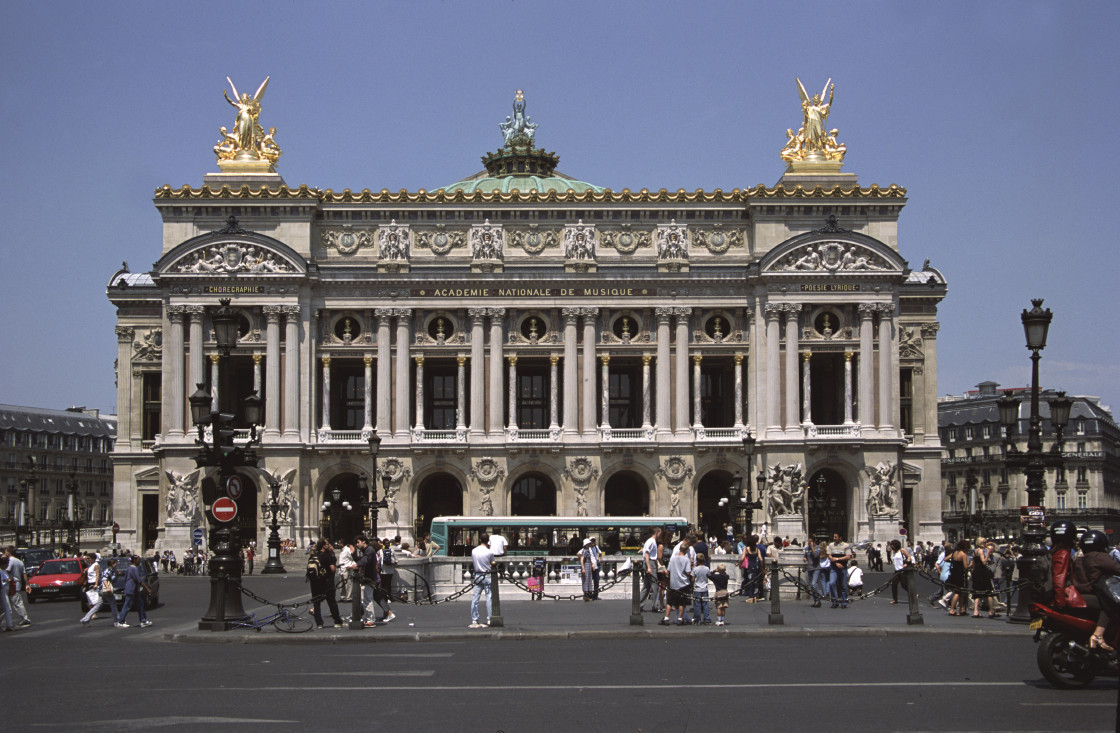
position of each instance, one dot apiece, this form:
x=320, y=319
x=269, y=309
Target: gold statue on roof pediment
x=248, y=148
x=813, y=142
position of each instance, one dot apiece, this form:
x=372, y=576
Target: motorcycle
x=1064, y=655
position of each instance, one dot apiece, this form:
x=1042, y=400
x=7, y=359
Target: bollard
x=355, y=602
x=636, y=597
x=798, y=584
x=496, y=620
x=914, y=618
x=775, y=618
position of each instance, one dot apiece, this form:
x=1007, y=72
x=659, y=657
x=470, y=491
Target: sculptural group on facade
x=233, y=258
x=882, y=493
x=182, y=496
x=248, y=141
x=785, y=490
x=832, y=257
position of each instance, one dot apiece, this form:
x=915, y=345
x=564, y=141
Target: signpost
x=233, y=487
x=199, y=535
x=224, y=509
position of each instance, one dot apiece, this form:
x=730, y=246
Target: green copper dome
x=518, y=165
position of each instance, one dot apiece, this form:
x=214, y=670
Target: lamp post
x=332, y=508
x=739, y=501
x=72, y=512
x=224, y=542
x=26, y=490
x=1034, y=461
x=272, y=508
x=970, y=482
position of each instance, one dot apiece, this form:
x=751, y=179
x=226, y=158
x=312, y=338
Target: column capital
x=496, y=313
x=125, y=334
x=806, y=355
x=175, y=313
x=570, y=314
x=271, y=312
x=792, y=308
x=419, y=360
x=867, y=310
x=461, y=360
x=476, y=315
x=929, y=330
x=682, y=311
x=663, y=314
x=512, y=360
x=402, y=312
x=367, y=360
x=195, y=311
x=326, y=361
x=553, y=359
x=697, y=358
x=605, y=358
x=215, y=358
x=773, y=310
x=646, y=358
x=383, y=315
x=258, y=358
x=885, y=309
x=290, y=311
x=848, y=355
x=738, y=358
x=589, y=312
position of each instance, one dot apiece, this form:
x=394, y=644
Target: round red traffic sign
x=224, y=509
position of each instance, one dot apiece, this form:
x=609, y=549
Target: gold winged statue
x=248, y=143
x=813, y=141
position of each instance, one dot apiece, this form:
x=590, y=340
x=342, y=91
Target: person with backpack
x=388, y=570
x=321, y=566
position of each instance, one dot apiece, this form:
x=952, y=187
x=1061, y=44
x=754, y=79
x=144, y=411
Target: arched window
x=533, y=495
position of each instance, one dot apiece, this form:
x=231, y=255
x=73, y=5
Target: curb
x=766, y=632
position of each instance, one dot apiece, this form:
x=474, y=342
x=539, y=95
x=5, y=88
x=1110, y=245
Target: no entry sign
x=224, y=509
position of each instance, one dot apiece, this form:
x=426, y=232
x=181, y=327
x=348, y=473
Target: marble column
x=125, y=397
x=461, y=393
x=214, y=375
x=291, y=371
x=326, y=393
x=927, y=398
x=806, y=388
x=403, y=378
x=588, y=381
x=367, y=392
x=680, y=367
x=384, y=373
x=866, y=364
x=793, y=324
x=173, y=368
x=697, y=421
x=738, y=390
x=571, y=388
x=847, y=387
x=419, y=422
x=497, y=317
x=773, y=398
x=553, y=393
x=478, y=372
x=663, y=371
x=646, y=392
x=886, y=366
x=196, y=363
x=272, y=371
x=512, y=393
x=605, y=376
x=257, y=358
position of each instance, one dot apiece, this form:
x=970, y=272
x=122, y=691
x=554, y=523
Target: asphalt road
x=60, y=676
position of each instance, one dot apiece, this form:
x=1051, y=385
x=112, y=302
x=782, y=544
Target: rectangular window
x=969, y=433
x=1082, y=501
x=152, y=404
x=906, y=400
x=986, y=477
x=953, y=480
x=717, y=396
x=348, y=397
x=1082, y=474
x=986, y=431
x=532, y=397
x=625, y=397
x=440, y=397
x=1061, y=504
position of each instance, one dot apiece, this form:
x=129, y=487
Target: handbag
x=1108, y=595
x=106, y=586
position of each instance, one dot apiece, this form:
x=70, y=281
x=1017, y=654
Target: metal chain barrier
x=946, y=586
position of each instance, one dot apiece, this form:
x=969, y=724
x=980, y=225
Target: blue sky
x=995, y=116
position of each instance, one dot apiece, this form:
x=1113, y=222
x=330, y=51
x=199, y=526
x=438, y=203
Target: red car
x=60, y=578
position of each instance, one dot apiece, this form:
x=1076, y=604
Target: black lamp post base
x=273, y=567
x=225, y=605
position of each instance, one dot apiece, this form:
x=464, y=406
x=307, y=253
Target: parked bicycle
x=284, y=620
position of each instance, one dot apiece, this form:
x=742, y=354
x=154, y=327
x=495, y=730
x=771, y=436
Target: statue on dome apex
x=518, y=129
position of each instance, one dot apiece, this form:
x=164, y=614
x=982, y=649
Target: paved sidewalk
x=549, y=619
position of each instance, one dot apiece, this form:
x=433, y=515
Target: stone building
x=983, y=497
x=527, y=343
x=73, y=445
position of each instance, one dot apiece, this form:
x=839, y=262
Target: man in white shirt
x=498, y=545
x=345, y=565
x=482, y=557
x=649, y=557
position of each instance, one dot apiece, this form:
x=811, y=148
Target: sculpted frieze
x=230, y=258
x=832, y=257
x=718, y=240
x=441, y=240
x=534, y=240
x=149, y=347
x=625, y=240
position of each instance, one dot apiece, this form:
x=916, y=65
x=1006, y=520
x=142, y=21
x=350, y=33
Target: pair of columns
x=176, y=390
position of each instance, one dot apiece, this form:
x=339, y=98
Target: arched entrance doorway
x=711, y=516
x=340, y=510
x=625, y=495
x=828, y=504
x=439, y=495
x=533, y=495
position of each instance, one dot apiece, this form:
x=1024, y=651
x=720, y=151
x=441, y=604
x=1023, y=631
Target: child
x=700, y=575
x=719, y=580
x=855, y=579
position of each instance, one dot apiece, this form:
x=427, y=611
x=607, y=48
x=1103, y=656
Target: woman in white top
x=902, y=560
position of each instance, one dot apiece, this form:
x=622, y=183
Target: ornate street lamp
x=272, y=508
x=1034, y=461
x=72, y=530
x=226, y=327
x=369, y=508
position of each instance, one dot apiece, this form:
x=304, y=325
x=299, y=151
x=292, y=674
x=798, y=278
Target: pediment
x=231, y=251
x=849, y=254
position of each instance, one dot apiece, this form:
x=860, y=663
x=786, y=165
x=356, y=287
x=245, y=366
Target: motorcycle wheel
x=1056, y=665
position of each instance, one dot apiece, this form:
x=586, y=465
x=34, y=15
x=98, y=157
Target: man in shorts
x=680, y=580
